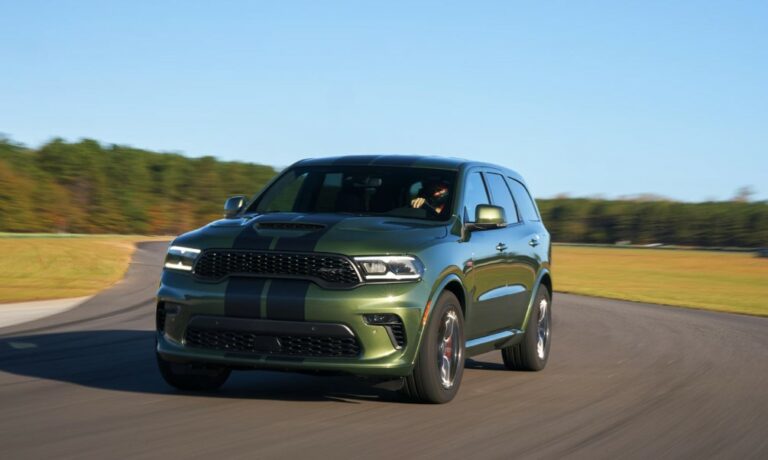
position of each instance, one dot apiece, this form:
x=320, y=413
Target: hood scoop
x=300, y=226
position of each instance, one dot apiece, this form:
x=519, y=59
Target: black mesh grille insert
x=326, y=269
x=284, y=345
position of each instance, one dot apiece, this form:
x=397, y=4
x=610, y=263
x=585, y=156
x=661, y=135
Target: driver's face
x=439, y=192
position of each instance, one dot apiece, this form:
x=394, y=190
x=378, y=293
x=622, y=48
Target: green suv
x=398, y=267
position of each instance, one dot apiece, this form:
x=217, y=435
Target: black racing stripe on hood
x=286, y=299
x=249, y=238
x=308, y=241
x=243, y=297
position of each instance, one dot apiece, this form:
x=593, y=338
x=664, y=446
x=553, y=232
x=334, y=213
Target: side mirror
x=234, y=205
x=488, y=216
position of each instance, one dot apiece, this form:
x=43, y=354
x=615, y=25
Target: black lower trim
x=270, y=327
x=269, y=338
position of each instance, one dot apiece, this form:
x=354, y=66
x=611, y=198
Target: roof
x=417, y=161
x=413, y=161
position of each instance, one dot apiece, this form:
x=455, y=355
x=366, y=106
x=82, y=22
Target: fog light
x=392, y=324
x=381, y=319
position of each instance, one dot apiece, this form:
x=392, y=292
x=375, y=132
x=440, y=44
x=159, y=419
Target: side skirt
x=493, y=341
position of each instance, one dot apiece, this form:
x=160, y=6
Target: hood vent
x=289, y=226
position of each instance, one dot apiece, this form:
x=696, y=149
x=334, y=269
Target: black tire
x=191, y=376
x=426, y=383
x=526, y=355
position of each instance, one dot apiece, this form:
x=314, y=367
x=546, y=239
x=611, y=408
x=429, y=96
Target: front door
x=489, y=273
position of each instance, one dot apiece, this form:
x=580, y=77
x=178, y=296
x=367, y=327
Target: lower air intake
x=398, y=333
x=278, y=345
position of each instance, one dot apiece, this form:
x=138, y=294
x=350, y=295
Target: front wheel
x=192, y=376
x=533, y=352
x=440, y=362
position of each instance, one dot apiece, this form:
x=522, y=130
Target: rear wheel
x=192, y=376
x=533, y=352
x=440, y=363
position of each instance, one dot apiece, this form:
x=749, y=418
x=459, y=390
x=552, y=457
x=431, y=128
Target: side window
x=524, y=201
x=502, y=196
x=474, y=194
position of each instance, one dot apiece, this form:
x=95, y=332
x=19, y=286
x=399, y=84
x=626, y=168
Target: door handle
x=501, y=247
x=534, y=241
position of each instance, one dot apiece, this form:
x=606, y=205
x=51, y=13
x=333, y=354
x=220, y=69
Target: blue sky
x=585, y=98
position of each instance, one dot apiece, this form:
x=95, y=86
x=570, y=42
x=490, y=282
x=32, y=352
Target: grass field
x=52, y=267
x=37, y=267
x=733, y=282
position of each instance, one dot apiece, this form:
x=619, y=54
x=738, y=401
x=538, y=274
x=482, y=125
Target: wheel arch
x=456, y=288
x=452, y=283
x=544, y=279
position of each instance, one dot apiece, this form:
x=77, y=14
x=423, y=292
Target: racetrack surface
x=625, y=380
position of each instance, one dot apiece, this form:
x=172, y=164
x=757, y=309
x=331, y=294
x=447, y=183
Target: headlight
x=390, y=268
x=181, y=258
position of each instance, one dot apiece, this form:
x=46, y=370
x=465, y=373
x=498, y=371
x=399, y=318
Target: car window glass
x=502, y=196
x=417, y=193
x=414, y=189
x=328, y=194
x=474, y=194
x=283, y=195
x=524, y=201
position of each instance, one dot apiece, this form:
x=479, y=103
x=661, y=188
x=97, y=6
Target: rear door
x=531, y=243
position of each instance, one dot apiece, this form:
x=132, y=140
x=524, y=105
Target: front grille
x=325, y=269
x=283, y=345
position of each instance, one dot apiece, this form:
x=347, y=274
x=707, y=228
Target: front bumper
x=189, y=303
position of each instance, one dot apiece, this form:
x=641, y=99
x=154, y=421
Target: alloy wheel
x=449, y=349
x=543, y=329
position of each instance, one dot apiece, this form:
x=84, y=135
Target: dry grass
x=50, y=267
x=732, y=282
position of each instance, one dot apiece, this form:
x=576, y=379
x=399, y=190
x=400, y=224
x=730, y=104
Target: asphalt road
x=625, y=380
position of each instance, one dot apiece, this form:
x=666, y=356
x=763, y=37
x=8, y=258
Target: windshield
x=418, y=193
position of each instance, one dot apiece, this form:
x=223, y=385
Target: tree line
x=717, y=223
x=88, y=187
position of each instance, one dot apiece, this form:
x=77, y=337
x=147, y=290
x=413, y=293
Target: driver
x=434, y=196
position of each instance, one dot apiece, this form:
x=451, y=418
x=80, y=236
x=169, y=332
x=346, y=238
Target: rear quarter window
x=524, y=201
x=502, y=196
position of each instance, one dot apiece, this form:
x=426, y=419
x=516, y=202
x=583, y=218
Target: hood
x=337, y=233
